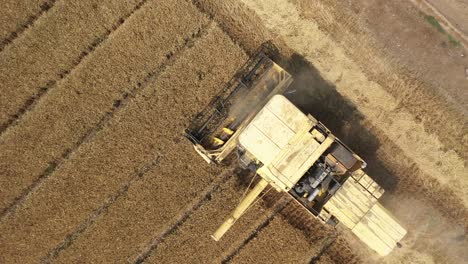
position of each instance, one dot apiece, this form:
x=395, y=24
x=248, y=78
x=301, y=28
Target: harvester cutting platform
x=291, y=152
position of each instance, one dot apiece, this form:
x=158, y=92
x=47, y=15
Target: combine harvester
x=293, y=153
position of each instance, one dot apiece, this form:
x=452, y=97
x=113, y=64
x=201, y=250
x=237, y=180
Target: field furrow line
x=157, y=201
x=237, y=29
x=339, y=250
x=317, y=235
x=192, y=240
x=8, y=36
x=95, y=214
x=206, y=197
x=326, y=245
x=257, y=229
x=130, y=139
x=117, y=105
x=15, y=112
x=280, y=242
x=94, y=89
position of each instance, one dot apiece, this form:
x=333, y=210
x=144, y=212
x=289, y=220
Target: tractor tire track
x=81, y=85
x=317, y=233
x=98, y=212
x=171, y=57
x=166, y=194
x=426, y=7
x=327, y=243
x=29, y=104
x=280, y=206
x=82, y=178
x=206, y=197
x=278, y=242
x=117, y=106
x=178, y=246
x=30, y=20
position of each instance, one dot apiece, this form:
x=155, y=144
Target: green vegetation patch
x=454, y=41
x=435, y=23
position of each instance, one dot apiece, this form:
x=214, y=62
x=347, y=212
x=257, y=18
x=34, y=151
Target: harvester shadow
x=315, y=95
x=319, y=97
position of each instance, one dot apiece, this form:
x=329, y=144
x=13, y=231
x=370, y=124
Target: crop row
x=152, y=125
x=51, y=48
x=96, y=169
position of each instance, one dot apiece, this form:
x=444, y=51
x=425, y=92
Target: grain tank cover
x=273, y=127
x=282, y=138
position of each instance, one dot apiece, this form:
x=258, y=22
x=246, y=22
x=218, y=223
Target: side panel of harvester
x=355, y=205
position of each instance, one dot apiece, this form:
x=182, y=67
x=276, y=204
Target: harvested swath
x=414, y=93
x=76, y=107
x=56, y=44
x=16, y=16
x=279, y=242
x=192, y=241
x=377, y=108
x=154, y=123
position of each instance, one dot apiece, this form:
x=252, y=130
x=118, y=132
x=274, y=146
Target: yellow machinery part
x=217, y=141
x=249, y=199
x=228, y=131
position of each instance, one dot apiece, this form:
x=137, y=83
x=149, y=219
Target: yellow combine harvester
x=293, y=153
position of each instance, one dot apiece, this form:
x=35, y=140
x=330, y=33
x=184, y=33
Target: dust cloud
x=431, y=237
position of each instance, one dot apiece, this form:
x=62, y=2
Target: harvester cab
x=291, y=152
